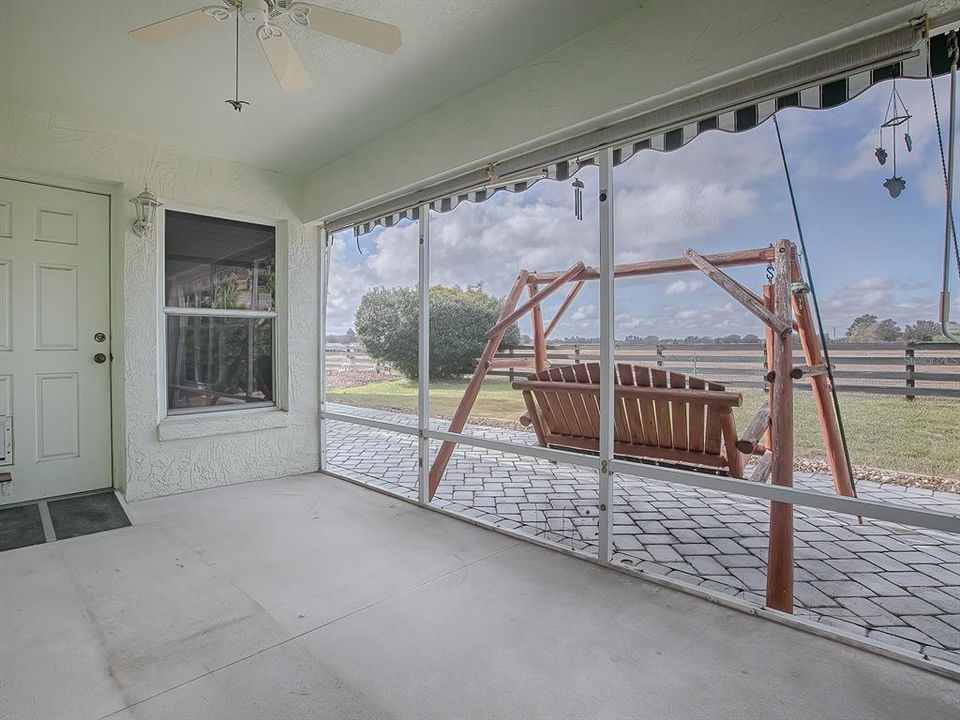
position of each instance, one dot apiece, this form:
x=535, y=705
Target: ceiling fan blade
x=352, y=28
x=284, y=60
x=177, y=26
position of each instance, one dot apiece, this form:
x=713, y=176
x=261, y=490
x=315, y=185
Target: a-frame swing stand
x=783, y=308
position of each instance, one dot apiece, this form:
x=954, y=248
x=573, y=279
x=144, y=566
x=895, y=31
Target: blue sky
x=723, y=191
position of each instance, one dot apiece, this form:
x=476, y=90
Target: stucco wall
x=254, y=449
x=662, y=46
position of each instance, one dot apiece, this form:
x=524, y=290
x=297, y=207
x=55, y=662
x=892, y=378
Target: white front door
x=55, y=338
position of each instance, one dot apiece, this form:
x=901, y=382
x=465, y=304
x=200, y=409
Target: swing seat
x=659, y=416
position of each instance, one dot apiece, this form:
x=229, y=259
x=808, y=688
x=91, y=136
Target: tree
x=921, y=331
x=862, y=328
x=888, y=330
x=750, y=338
x=867, y=328
x=387, y=324
x=347, y=338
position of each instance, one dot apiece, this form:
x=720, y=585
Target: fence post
x=659, y=355
x=511, y=364
x=909, y=355
x=576, y=354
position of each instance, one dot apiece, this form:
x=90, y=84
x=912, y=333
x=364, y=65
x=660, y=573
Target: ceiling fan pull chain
x=237, y=103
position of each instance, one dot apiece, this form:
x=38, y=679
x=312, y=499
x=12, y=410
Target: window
x=220, y=309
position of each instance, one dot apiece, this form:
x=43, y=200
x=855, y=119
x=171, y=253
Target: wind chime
x=578, y=198
x=896, y=115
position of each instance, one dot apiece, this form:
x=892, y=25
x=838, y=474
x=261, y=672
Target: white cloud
x=682, y=287
x=665, y=203
x=884, y=296
x=389, y=259
x=586, y=312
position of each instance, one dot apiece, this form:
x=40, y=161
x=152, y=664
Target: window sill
x=185, y=427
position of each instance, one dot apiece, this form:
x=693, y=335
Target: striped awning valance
x=561, y=170
x=820, y=96
x=921, y=61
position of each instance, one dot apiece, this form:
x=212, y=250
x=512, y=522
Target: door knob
x=99, y=358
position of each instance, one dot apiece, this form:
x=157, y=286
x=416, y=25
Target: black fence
x=908, y=369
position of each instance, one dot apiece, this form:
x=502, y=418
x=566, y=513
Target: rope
x=816, y=308
x=943, y=166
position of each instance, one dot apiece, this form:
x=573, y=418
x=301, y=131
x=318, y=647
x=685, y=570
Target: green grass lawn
x=920, y=436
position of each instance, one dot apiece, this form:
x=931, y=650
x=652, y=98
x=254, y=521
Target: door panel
x=6, y=223
x=56, y=226
x=56, y=307
x=6, y=305
x=54, y=299
x=58, y=416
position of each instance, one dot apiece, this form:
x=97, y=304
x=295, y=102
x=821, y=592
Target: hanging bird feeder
x=896, y=116
x=895, y=186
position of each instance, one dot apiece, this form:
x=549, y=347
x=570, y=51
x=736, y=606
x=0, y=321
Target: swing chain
x=356, y=236
x=953, y=52
x=815, y=306
x=770, y=273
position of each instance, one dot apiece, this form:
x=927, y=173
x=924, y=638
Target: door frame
x=114, y=193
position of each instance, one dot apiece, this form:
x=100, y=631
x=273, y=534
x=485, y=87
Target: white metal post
x=605, y=549
x=423, y=364
x=323, y=276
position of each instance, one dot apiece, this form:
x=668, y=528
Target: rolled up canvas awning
x=823, y=81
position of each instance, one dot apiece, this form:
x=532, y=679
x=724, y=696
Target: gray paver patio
x=895, y=584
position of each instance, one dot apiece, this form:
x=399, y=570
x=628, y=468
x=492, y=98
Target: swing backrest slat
x=659, y=416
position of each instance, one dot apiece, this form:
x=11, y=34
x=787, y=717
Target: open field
x=920, y=436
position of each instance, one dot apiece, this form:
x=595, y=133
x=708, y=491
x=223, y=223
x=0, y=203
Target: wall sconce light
x=146, y=204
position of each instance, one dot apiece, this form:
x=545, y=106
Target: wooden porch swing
x=671, y=418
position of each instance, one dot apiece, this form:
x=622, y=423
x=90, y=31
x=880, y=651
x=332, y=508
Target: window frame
x=278, y=315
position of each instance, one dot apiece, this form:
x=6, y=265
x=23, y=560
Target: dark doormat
x=20, y=526
x=86, y=514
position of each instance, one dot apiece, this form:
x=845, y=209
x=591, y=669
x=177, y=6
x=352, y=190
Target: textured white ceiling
x=73, y=58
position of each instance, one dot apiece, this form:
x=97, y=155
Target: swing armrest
x=750, y=439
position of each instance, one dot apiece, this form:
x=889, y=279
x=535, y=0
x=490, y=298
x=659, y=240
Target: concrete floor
x=309, y=597
x=890, y=583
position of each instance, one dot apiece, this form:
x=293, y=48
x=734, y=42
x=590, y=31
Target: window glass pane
x=218, y=361
x=373, y=314
x=477, y=252
x=217, y=263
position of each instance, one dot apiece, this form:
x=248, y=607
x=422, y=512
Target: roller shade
x=823, y=81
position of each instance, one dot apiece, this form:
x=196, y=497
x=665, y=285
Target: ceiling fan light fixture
x=255, y=11
x=282, y=56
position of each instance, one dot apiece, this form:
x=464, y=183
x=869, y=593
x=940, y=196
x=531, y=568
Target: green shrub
x=387, y=322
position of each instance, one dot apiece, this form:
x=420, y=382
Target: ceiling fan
x=283, y=58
